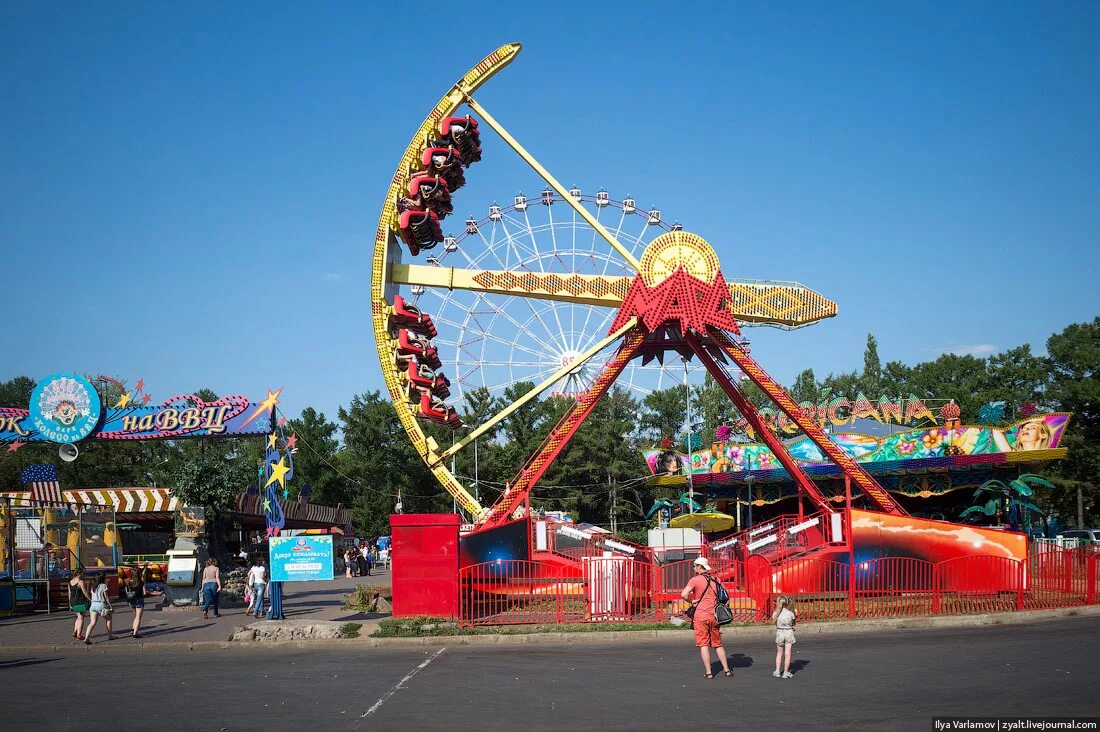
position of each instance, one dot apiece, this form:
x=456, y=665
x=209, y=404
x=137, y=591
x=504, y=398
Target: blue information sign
x=301, y=558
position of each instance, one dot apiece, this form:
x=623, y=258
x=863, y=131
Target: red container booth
x=425, y=564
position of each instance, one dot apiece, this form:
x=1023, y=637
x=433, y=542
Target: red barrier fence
x=623, y=589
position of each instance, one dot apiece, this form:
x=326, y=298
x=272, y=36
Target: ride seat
x=446, y=162
x=409, y=316
x=462, y=132
x=419, y=230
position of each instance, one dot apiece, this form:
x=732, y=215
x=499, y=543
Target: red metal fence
x=625, y=589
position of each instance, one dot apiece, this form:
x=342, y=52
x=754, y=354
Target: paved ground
x=887, y=681
x=313, y=600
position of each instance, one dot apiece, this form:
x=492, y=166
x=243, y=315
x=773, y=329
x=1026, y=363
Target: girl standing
x=785, y=619
x=101, y=605
x=78, y=600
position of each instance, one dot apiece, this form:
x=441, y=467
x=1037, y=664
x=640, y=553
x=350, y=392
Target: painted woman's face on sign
x=1033, y=435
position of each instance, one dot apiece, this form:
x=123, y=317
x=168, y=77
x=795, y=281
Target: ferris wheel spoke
x=539, y=388
x=491, y=336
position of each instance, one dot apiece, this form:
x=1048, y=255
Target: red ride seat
x=462, y=132
x=415, y=345
x=425, y=378
x=436, y=410
x=427, y=192
x=409, y=316
x=419, y=230
x=446, y=162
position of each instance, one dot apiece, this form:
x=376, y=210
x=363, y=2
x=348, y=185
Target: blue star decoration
x=286, y=493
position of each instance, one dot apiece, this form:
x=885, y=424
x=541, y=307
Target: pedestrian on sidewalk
x=349, y=562
x=785, y=618
x=134, y=592
x=79, y=599
x=211, y=587
x=700, y=592
x=257, y=580
x=364, y=559
x=101, y=605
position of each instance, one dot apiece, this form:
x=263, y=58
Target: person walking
x=134, y=592
x=702, y=595
x=101, y=605
x=79, y=599
x=785, y=618
x=257, y=580
x=211, y=587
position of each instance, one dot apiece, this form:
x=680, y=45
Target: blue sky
x=189, y=194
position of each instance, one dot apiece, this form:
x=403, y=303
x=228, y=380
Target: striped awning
x=124, y=500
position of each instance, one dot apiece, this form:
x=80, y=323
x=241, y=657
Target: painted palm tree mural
x=1001, y=501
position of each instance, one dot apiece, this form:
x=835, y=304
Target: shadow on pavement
x=24, y=662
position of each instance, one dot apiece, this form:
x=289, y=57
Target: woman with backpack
x=702, y=592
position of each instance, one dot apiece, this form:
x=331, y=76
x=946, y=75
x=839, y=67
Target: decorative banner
x=181, y=416
x=1039, y=432
x=64, y=408
x=840, y=411
x=301, y=558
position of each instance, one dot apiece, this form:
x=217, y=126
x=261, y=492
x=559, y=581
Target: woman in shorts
x=134, y=591
x=79, y=599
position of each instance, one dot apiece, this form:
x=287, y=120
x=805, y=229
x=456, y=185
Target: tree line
x=363, y=460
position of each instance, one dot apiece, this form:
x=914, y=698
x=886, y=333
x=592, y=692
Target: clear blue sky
x=189, y=192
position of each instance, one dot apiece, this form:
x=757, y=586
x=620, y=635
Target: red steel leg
x=875, y=492
x=564, y=430
x=749, y=411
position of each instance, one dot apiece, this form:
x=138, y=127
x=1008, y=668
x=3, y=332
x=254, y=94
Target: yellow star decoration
x=123, y=401
x=278, y=473
x=266, y=405
x=271, y=441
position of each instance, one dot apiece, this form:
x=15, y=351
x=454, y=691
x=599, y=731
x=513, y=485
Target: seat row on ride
x=418, y=362
x=427, y=198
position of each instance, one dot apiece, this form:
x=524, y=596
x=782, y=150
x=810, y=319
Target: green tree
x=872, y=368
x=315, y=459
x=1074, y=386
x=662, y=413
x=211, y=476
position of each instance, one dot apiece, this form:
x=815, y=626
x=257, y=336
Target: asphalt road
x=896, y=680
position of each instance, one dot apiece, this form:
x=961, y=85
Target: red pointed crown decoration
x=679, y=280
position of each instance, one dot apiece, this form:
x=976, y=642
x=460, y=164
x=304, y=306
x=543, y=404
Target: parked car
x=1082, y=536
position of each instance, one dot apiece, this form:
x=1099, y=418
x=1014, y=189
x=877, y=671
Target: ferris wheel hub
x=675, y=250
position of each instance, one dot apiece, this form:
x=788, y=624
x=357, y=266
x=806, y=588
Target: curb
x=747, y=632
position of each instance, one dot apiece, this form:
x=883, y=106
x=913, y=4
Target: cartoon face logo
x=64, y=408
x=66, y=413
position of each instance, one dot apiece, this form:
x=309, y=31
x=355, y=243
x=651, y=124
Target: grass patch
x=350, y=630
x=364, y=598
x=424, y=626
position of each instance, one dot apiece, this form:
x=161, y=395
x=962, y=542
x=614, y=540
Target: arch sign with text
x=65, y=408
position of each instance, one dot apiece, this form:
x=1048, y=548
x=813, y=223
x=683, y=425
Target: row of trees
x=363, y=459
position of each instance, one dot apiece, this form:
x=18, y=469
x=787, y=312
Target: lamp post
x=687, y=425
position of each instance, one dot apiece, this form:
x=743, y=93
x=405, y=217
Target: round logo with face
x=64, y=408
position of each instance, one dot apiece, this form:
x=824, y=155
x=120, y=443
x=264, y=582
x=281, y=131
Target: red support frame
x=875, y=492
x=749, y=411
x=544, y=457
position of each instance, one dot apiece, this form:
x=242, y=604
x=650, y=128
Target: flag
x=43, y=482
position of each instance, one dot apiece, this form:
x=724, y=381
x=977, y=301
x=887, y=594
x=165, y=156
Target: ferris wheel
x=563, y=293
x=496, y=341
